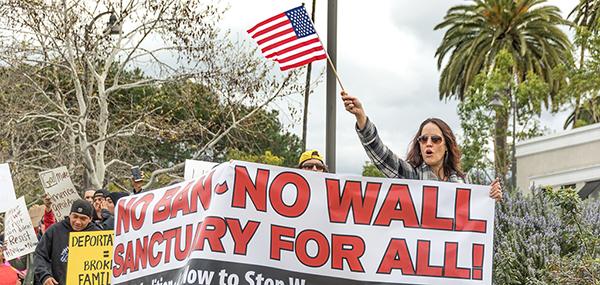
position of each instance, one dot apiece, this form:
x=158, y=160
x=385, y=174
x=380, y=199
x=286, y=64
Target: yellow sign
x=90, y=258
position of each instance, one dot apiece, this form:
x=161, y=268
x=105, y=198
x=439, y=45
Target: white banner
x=19, y=236
x=7, y=189
x=57, y=183
x=258, y=224
x=196, y=168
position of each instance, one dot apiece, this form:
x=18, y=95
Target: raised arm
x=384, y=159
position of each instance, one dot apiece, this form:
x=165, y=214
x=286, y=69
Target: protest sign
x=7, y=189
x=245, y=223
x=196, y=168
x=90, y=255
x=19, y=236
x=57, y=183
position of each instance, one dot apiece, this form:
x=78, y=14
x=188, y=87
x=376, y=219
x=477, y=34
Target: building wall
x=570, y=157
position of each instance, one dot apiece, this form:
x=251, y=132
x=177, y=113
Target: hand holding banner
x=258, y=224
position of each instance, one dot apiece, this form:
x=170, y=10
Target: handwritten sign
x=57, y=183
x=20, y=237
x=7, y=190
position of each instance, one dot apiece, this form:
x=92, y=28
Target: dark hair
x=452, y=157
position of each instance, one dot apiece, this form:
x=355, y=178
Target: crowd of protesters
x=49, y=264
x=94, y=212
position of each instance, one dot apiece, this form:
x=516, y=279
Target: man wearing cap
x=111, y=202
x=51, y=253
x=312, y=160
x=99, y=203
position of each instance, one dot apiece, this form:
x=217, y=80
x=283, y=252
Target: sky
x=385, y=57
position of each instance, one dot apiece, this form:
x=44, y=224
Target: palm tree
x=478, y=31
x=586, y=15
x=588, y=113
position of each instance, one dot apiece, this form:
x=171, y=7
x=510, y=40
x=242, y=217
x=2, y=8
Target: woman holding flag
x=433, y=153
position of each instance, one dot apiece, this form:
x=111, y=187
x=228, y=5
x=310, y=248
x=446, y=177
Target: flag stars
x=300, y=22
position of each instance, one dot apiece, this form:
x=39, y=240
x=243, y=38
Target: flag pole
x=307, y=87
x=330, y=121
x=319, y=37
x=331, y=96
x=334, y=71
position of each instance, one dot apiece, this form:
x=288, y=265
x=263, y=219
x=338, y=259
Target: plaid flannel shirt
x=390, y=164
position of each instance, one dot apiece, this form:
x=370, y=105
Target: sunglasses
x=310, y=166
x=434, y=139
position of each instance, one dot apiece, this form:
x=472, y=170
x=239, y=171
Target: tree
x=586, y=18
x=266, y=158
x=587, y=14
x=583, y=89
x=477, y=122
x=370, y=170
x=477, y=32
x=74, y=74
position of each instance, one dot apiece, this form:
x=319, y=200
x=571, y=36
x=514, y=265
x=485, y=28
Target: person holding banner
x=51, y=253
x=433, y=153
x=312, y=160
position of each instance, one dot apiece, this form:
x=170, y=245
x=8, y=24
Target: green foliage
x=266, y=158
x=582, y=94
x=370, y=170
x=198, y=113
x=479, y=36
x=478, y=31
x=586, y=14
x=476, y=113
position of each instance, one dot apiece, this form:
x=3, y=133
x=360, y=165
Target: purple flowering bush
x=549, y=237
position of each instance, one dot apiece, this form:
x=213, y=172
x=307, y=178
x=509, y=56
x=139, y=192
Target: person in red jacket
x=8, y=275
x=48, y=219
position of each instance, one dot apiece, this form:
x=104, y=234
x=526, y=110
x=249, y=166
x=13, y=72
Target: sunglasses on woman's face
x=434, y=139
x=311, y=166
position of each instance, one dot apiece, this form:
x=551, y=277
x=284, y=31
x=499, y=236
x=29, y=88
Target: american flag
x=289, y=38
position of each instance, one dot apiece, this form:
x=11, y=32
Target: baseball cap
x=310, y=154
x=101, y=193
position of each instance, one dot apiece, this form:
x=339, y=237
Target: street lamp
x=496, y=102
x=112, y=27
x=513, y=164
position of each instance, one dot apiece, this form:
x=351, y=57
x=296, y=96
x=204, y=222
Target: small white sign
x=196, y=168
x=57, y=183
x=7, y=189
x=19, y=237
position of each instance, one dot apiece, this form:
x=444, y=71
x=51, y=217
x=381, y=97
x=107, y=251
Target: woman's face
x=432, y=145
